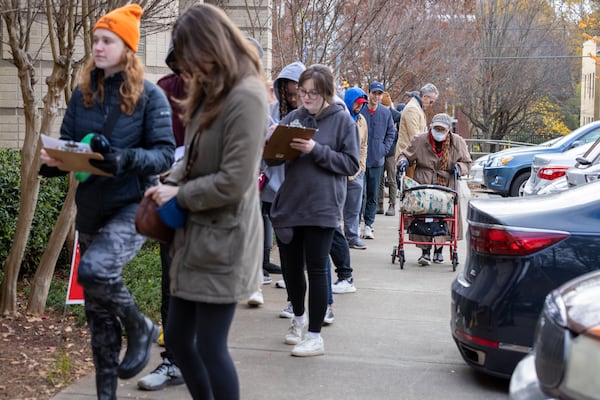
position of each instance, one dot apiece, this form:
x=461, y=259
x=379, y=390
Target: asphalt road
x=390, y=340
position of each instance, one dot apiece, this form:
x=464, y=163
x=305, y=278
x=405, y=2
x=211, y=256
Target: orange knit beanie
x=125, y=23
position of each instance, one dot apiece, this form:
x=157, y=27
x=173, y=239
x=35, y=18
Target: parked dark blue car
x=519, y=249
x=507, y=171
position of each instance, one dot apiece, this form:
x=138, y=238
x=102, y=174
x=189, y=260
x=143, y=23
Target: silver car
x=548, y=167
x=586, y=170
x=476, y=172
x=566, y=357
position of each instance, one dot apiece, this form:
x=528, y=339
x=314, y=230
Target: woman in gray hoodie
x=308, y=206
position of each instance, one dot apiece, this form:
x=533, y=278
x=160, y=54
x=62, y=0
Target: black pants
x=310, y=246
x=165, y=262
x=197, y=333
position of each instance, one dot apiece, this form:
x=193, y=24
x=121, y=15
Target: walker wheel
x=401, y=259
x=394, y=250
x=454, y=260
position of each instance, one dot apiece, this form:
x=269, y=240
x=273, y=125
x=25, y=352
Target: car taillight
x=511, y=242
x=552, y=173
x=478, y=340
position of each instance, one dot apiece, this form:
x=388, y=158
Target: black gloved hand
x=51, y=172
x=401, y=167
x=114, y=161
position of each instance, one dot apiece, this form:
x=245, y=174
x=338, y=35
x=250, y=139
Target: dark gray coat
x=314, y=189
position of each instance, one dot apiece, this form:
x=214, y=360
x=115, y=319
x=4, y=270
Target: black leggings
x=310, y=246
x=197, y=334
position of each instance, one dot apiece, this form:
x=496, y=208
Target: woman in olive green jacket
x=217, y=251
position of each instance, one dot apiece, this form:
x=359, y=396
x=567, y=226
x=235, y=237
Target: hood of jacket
x=350, y=97
x=291, y=72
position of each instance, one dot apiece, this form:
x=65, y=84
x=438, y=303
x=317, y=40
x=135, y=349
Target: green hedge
x=51, y=195
x=142, y=275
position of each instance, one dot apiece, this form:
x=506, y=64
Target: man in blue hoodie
x=381, y=138
x=355, y=99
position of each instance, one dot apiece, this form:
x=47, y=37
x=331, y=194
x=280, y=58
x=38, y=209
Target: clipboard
x=75, y=156
x=278, y=145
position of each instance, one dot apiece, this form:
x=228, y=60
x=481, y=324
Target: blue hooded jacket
x=350, y=97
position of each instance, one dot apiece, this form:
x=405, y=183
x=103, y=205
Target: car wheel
x=518, y=185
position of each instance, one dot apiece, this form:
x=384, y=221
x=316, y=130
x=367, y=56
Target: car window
x=567, y=138
x=591, y=136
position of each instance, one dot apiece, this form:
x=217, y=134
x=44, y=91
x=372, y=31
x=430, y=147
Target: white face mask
x=439, y=136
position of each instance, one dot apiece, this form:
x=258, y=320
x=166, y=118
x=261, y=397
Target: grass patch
x=142, y=277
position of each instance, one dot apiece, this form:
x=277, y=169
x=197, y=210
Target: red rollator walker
x=427, y=210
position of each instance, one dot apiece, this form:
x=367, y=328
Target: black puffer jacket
x=147, y=137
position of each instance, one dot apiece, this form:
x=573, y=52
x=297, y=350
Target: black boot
x=106, y=386
x=267, y=264
x=141, y=332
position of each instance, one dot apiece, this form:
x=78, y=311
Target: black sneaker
x=425, y=258
x=166, y=374
x=438, y=258
x=272, y=268
x=266, y=278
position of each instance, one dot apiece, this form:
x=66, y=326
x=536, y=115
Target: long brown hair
x=212, y=51
x=131, y=88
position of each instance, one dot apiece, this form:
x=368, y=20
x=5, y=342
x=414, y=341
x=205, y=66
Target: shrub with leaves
x=51, y=196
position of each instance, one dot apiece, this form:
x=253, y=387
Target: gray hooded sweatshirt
x=275, y=174
x=314, y=189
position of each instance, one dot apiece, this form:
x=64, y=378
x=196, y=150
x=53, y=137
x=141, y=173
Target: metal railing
x=481, y=147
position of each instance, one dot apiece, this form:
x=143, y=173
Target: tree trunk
x=43, y=274
x=30, y=181
x=8, y=293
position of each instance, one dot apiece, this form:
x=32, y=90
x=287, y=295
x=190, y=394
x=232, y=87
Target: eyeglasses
x=312, y=94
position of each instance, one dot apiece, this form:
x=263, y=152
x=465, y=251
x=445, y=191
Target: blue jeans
x=372, y=179
x=340, y=254
x=352, y=207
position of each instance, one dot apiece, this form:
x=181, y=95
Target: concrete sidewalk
x=390, y=340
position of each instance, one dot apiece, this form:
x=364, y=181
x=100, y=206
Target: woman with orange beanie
x=132, y=119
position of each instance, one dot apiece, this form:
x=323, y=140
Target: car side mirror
x=583, y=161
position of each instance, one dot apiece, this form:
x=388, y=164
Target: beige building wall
x=252, y=16
x=589, y=72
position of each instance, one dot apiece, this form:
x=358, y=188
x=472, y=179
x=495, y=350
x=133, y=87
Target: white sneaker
x=368, y=233
x=256, y=299
x=329, y=317
x=287, y=312
x=309, y=347
x=343, y=286
x=280, y=284
x=295, y=332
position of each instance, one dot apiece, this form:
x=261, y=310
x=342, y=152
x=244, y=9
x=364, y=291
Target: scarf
x=443, y=152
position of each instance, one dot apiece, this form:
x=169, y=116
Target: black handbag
x=433, y=228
